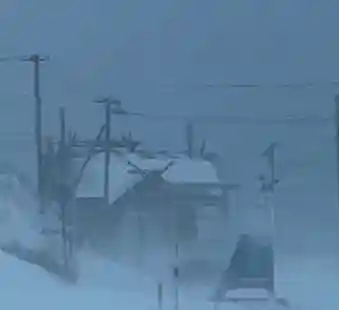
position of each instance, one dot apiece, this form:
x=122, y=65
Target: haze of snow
x=18, y=223
x=308, y=280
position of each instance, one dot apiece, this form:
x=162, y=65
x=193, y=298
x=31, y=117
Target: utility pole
x=36, y=59
x=109, y=102
x=268, y=187
x=62, y=115
x=62, y=183
x=190, y=139
x=336, y=99
x=269, y=153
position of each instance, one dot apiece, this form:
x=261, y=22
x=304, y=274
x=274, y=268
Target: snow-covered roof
x=183, y=170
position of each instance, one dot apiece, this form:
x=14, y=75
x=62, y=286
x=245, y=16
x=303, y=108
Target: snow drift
x=39, y=291
x=18, y=221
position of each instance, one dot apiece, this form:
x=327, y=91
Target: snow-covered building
x=163, y=196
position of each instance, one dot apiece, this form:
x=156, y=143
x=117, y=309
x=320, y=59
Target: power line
x=242, y=120
x=287, y=85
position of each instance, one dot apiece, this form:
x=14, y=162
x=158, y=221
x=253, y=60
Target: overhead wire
x=287, y=85
x=241, y=119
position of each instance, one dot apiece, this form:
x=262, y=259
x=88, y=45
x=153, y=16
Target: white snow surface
x=105, y=285
x=17, y=220
x=24, y=286
x=309, y=282
x=184, y=170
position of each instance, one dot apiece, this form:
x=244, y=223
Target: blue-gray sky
x=147, y=52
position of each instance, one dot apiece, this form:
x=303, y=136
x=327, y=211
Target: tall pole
x=37, y=59
x=269, y=188
x=38, y=122
x=109, y=102
x=336, y=99
x=62, y=115
x=190, y=139
x=269, y=153
x=107, y=150
x=61, y=182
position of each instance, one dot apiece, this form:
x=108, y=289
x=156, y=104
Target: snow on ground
x=24, y=286
x=18, y=223
x=311, y=283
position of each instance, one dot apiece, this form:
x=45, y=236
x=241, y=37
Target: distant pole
x=37, y=59
x=61, y=182
x=336, y=99
x=160, y=295
x=176, y=287
x=109, y=102
x=190, y=139
x=107, y=150
x=268, y=187
x=269, y=153
x=62, y=115
x=141, y=238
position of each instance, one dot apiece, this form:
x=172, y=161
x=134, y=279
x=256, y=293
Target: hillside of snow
x=27, y=286
x=18, y=214
x=105, y=285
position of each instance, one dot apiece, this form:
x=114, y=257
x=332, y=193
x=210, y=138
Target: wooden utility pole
x=37, y=59
x=268, y=187
x=107, y=150
x=109, y=102
x=63, y=183
x=336, y=99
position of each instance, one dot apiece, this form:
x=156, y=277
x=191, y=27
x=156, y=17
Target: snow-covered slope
x=18, y=221
x=24, y=286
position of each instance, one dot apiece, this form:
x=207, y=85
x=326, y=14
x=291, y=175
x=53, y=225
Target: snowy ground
x=105, y=285
x=24, y=286
x=307, y=272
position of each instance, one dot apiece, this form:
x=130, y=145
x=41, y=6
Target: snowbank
x=18, y=223
x=101, y=273
x=24, y=286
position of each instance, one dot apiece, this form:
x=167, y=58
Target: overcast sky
x=149, y=53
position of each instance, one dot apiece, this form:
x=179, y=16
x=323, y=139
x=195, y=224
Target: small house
x=153, y=201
